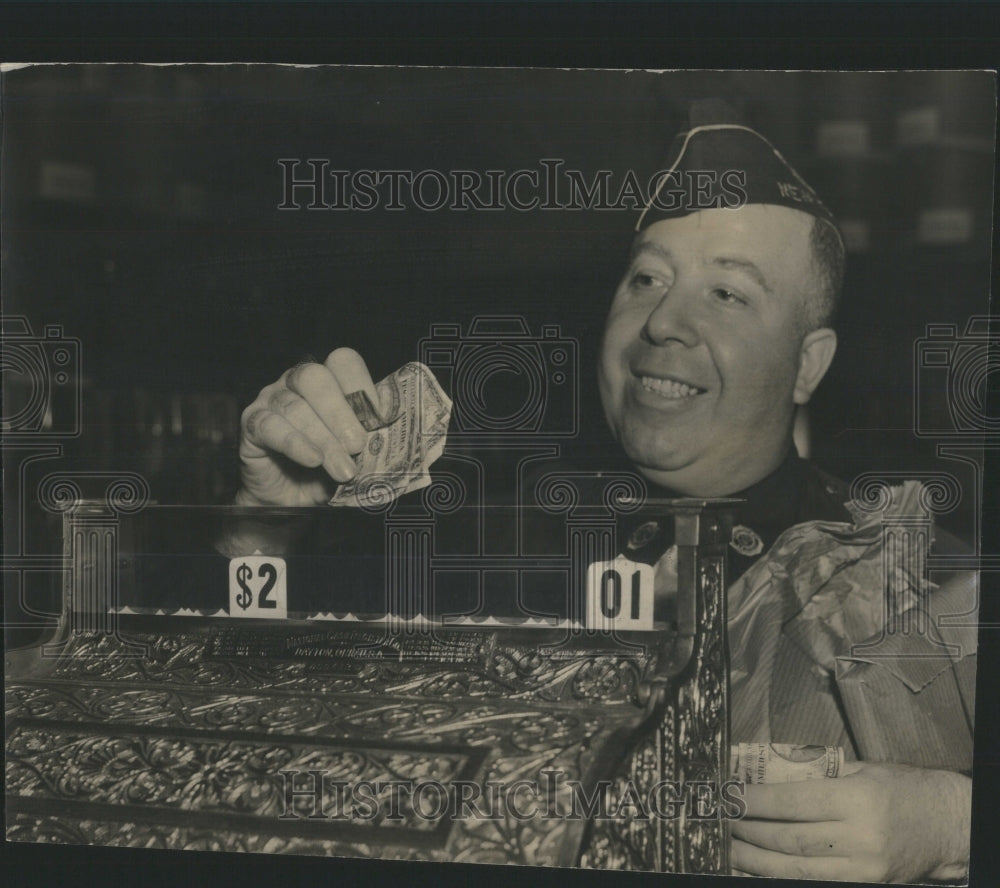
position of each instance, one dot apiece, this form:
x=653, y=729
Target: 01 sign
x=258, y=587
x=619, y=595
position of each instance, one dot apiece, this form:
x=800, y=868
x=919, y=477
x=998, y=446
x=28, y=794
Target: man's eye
x=728, y=296
x=643, y=281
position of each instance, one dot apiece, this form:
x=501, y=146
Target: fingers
x=827, y=839
x=814, y=800
x=351, y=372
x=306, y=417
x=849, y=768
x=764, y=862
x=319, y=390
x=303, y=418
x=267, y=430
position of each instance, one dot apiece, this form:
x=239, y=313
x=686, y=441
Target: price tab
x=258, y=587
x=620, y=595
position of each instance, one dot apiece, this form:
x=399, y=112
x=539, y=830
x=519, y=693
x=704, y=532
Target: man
x=718, y=331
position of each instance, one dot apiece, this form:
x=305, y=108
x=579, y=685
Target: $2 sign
x=257, y=587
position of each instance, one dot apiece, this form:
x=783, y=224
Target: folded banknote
x=406, y=431
x=784, y=762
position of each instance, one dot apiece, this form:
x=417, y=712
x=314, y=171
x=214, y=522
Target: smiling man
x=706, y=352
x=719, y=330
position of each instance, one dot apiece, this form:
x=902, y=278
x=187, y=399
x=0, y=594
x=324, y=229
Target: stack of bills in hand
x=406, y=430
x=784, y=762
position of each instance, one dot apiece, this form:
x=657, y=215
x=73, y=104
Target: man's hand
x=880, y=823
x=298, y=436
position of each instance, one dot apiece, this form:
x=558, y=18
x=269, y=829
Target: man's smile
x=667, y=387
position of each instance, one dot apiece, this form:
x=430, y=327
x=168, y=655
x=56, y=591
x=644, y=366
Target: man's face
x=701, y=351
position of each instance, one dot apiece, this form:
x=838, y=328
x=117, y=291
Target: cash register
x=424, y=679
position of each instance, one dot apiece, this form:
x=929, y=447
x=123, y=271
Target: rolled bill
x=406, y=433
x=784, y=762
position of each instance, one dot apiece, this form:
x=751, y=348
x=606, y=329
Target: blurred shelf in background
x=144, y=221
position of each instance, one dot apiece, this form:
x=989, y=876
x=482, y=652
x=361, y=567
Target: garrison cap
x=727, y=165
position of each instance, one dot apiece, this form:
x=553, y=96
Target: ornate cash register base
x=188, y=739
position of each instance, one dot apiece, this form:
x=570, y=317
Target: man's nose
x=672, y=319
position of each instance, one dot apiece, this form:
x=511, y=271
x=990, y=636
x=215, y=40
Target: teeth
x=667, y=388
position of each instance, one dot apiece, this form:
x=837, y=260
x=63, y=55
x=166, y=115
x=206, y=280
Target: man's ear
x=815, y=355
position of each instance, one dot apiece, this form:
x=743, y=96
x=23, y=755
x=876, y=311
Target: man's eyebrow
x=747, y=267
x=729, y=262
x=650, y=247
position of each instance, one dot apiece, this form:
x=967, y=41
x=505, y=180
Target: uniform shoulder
x=821, y=495
x=826, y=496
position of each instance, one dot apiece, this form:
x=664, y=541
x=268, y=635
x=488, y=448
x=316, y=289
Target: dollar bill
x=784, y=762
x=407, y=431
x=368, y=414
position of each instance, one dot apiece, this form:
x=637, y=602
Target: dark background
x=140, y=214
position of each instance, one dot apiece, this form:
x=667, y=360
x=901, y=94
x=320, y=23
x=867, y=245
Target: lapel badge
x=746, y=541
x=643, y=534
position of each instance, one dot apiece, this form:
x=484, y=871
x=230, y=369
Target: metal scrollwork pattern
x=500, y=671
x=701, y=724
x=626, y=842
x=629, y=843
x=124, y=834
x=170, y=732
x=143, y=772
x=689, y=744
x=184, y=748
